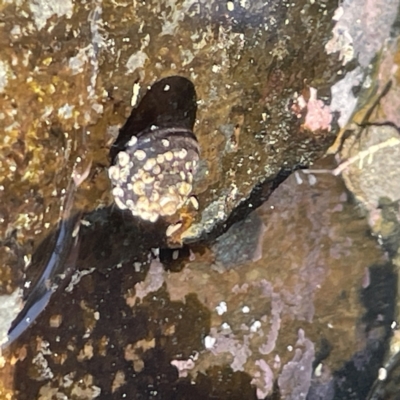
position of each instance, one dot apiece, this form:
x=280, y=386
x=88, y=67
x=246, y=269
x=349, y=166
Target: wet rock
x=268, y=98
x=373, y=165
x=77, y=81
x=155, y=333
x=369, y=164
x=240, y=243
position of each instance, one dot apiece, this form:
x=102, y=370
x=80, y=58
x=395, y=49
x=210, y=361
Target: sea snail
x=156, y=154
x=153, y=176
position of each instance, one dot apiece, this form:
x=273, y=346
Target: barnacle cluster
x=153, y=176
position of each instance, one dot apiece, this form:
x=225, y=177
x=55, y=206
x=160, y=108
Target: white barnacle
x=156, y=170
x=123, y=158
x=184, y=188
x=182, y=154
x=132, y=142
x=140, y=155
x=118, y=192
x=169, y=155
x=138, y=187
x=150, y=163
x=113, y=173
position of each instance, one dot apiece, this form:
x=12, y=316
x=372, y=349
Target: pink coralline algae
x=276, y=310
x=263, y=380
x=229, y=344
x=295, y=378
x=318, y=117
x=154, y=280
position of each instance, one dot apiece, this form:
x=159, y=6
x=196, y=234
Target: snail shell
x=152, y=177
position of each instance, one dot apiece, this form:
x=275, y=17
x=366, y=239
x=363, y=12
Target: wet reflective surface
x=265, y=268
x=146, y=328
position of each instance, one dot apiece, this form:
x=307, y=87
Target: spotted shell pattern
x=153, y=176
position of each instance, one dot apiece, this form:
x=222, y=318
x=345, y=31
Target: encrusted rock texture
x=279, y=289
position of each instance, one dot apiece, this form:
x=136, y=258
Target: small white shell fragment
x=382, y=374
x=318, y=370
x=194, y=202
x=135, y=94
x=172, y=229
x=225, y=326
x=209, y=342
x=255, y=326
x=221, y=308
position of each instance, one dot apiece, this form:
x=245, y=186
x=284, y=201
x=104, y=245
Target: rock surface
x=277, y=290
